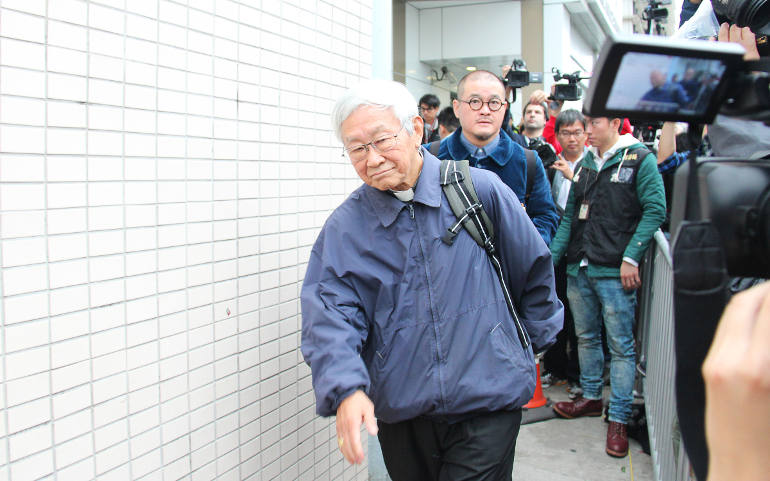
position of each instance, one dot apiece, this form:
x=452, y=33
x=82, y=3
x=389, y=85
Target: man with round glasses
x=480, y=107
x=399, y=325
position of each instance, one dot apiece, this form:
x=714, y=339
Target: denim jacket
x=510, y=163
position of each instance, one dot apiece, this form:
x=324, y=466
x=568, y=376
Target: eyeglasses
x=357, y=153
x=476, y=103
x=567, y=133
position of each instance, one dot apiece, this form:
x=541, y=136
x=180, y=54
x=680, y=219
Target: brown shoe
x=579, y=407
x=617, y=440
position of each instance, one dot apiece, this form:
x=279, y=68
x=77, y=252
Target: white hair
x=384, y=94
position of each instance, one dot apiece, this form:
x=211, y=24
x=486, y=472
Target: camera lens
x=745, y=13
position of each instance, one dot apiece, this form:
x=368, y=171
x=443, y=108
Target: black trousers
x=560, y=361
x=480, y=448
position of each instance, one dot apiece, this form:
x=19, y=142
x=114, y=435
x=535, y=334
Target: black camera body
x=732, y=194
x=569, y=91
x=545, y=151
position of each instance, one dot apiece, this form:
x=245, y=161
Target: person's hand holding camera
x=743, y=36
x=737, y=377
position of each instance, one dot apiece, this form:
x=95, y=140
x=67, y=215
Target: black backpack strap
x=458, y=188
x=433, y=147
x=531, y=171
x=456, y=182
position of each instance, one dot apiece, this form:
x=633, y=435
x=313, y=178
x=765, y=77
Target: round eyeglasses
x=476, y=103
x=357, y=153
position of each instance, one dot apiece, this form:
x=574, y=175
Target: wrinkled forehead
x=368, y=121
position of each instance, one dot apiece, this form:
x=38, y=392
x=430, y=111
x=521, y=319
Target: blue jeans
x=590, y=299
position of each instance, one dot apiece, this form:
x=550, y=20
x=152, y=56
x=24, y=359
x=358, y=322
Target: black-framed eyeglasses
x=476, y=103
x=357, y=153
x=567, y=133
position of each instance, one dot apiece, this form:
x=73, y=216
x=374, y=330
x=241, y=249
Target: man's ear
x=456, y=107
x=419, y=127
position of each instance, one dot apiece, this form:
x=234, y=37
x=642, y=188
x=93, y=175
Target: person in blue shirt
x=664, y=92
x=480, y=106
x=406, y=334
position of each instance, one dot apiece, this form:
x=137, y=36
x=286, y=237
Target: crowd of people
x=411, y=336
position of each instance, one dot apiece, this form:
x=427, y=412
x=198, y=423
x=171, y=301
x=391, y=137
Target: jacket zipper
x=430, y=302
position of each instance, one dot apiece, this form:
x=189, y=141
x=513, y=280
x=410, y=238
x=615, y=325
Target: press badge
x=583, y=212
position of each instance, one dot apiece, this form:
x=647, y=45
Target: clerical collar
x=404, y=195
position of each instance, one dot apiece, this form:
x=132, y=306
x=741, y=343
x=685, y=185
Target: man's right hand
x=562, y=166
x=352, y=411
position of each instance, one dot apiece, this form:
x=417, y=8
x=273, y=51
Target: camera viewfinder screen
x=651, y=82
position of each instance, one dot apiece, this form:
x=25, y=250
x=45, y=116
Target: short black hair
x=569, y=117
x=430, y=100
x=448, y=119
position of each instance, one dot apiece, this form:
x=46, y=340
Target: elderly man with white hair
x=406, y=334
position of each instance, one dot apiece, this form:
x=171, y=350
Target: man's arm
x=334, y=328
x=649, y=191
x=540, y=206
x=561, y=240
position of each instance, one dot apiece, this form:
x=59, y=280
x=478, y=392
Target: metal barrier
x=656, y=333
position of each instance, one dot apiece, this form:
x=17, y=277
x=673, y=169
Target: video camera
x=545, y=151
x=569, y=91
x=518, y=76
x=734, y=194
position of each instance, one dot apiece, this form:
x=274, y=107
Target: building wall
x=165, y=166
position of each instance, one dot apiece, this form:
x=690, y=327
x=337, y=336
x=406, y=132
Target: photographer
x=534, y=117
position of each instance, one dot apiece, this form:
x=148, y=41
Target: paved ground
x=559, y=450
x=573, y=450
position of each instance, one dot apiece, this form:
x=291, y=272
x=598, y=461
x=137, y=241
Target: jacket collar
x=504, y=153
x=428, y=192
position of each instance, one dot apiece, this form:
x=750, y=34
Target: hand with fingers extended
x=352, y=411
x=737, y=377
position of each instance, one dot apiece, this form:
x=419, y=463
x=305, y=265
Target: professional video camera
x=721, y=206
x=518, y=76
x=733, y=193
x=569, y=91
x=545, y=151
x=654, y=12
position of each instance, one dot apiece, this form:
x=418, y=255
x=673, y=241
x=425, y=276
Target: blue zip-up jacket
x=420, y=326
x=510, y=163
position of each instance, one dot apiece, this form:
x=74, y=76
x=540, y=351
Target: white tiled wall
x=165, y=166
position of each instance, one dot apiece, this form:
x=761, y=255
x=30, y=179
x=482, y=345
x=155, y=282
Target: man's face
x=602, y=132
x=428, y=113
x=483, y=124
x=534, y=117
x=657, y=79
x=572, y=138
x=397, y=168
